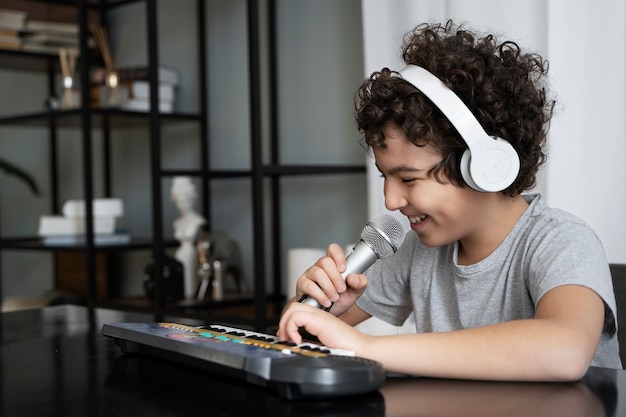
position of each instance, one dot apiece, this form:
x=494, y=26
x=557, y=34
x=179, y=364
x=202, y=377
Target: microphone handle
x=357, y=261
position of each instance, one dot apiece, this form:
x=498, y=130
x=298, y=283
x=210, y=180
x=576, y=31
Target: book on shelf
x=51, y=27
x=10, y=36
x=10, y=33
x=62, y=41
x=10, y=45
x=61, y=225
x=40, y=48
x=10, y=39
x=46, y=43
x=12, y=19
x=101, y=207
x=98, y=240
x=141, y=89
x=50, y=36
x=143, y=104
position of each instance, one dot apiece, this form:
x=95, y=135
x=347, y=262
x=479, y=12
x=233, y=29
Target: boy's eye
x=404, y=180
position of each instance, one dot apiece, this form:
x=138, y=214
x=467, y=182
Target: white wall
x=587, y=170
x=585, y=44
x=19, y=208
x=384, y=24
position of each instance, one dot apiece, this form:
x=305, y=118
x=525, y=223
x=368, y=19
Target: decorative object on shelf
x=134, y=87
x=110, y=94
x=11, y=169
x=172, y=280
x=186, y=228
x=71, y=94
x=219, y=257
x=69, y=229
x=135, y=80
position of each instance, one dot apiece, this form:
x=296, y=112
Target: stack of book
x=19, y=32
x=12, y=23
x=48, y=37
x=69, y=229
x=135, y=88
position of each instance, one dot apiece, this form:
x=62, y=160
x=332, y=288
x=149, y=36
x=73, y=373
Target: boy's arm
x=354, y=315
x=558, y=344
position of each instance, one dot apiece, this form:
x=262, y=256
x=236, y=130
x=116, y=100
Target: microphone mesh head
x=383, y=235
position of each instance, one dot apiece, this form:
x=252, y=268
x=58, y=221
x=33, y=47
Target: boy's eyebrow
x=401, y=168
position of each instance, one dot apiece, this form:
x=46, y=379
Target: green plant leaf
x=11, y=169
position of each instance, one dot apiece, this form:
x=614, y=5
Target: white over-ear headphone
x=489, y=164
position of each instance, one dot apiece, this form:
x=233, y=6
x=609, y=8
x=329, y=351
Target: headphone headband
x=447, y=101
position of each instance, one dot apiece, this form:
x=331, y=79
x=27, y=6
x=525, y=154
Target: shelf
x=272, y=171
x=28, y=61
x=235, y=309
x=280, y=170
x=100, y=118
x=35, y=243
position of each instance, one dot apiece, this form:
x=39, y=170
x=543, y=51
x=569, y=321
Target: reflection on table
x=595, y=396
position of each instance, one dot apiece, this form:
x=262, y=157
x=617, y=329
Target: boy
x=500, y=285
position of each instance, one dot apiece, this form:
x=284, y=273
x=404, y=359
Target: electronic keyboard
x=307, y=370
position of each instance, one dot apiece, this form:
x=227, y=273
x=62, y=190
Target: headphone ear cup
x=466, y=160
x=492, y=166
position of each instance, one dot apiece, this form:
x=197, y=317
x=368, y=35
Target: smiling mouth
x=418, y=219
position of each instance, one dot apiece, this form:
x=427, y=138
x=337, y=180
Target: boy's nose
x=394, y=199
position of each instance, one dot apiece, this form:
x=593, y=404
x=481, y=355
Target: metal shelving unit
x=265, y=178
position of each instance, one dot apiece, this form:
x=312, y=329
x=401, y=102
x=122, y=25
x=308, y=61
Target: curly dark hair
x=501, y=86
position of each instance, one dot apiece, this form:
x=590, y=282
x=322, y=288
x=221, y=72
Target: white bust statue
x=186, y=226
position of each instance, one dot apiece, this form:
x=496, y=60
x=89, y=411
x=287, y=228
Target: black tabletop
x=53, y=363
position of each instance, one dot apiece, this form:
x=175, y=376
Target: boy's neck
x=500, y=214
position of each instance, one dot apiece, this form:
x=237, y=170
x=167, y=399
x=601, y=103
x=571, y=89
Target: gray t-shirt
x=545, y=249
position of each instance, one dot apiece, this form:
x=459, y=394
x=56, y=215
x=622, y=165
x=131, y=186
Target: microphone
x=380, y=238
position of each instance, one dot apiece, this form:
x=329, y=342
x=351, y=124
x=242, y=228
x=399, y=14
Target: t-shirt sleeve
x=570, y=253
